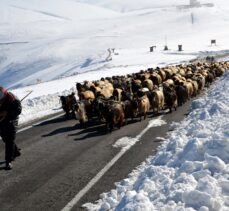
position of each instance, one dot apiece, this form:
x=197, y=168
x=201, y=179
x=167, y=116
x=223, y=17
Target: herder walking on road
x=10, y=109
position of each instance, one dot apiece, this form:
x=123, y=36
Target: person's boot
x=8, y=166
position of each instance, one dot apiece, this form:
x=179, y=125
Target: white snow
x=48, y=46
x=190, y=170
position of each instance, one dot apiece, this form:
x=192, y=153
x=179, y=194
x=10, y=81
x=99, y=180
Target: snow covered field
x=48, y=46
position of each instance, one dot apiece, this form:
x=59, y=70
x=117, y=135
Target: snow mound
x=190, y=170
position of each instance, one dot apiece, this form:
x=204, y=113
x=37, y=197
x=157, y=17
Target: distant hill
x=47, y=40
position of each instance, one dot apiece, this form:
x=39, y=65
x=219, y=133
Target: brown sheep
x=80, y=112
x=86, y=95
x=117, y=94
x=189, y=88
x=171, y=98
x=162, y=74
x=115, y=116
x=156, y=78
x=143, y=106
x=157, y=101
x=148, y=84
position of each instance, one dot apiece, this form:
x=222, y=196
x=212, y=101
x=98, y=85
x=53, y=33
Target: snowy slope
x=50, y=35
x=128, y=5
x=46, y=40
x=35, y=10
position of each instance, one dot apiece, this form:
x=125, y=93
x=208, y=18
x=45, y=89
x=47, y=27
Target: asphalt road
x=59, y=159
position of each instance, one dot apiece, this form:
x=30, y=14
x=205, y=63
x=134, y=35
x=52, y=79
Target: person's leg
x=8, y=136
x=9, y=150
x=17, y=151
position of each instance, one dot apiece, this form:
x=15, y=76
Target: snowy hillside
x=43, y=41
x=46, y=40
x=128, y=5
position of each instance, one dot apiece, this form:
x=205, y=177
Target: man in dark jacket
x=10, y=108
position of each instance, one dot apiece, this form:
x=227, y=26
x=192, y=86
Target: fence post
x=152, y=48
x=166, y=48
x=213, y=42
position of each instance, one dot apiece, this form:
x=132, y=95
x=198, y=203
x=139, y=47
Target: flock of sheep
x=114, y=100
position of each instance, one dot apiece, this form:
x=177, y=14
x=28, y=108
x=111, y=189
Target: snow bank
x=190, y=171
x=37, y=107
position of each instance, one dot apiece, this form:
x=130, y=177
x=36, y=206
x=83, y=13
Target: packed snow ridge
x=190, y=171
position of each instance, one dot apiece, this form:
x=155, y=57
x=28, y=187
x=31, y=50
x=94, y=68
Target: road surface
x=59, y=159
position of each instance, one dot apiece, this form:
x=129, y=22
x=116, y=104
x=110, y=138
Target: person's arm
x=3, y=115
x=14, y=110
